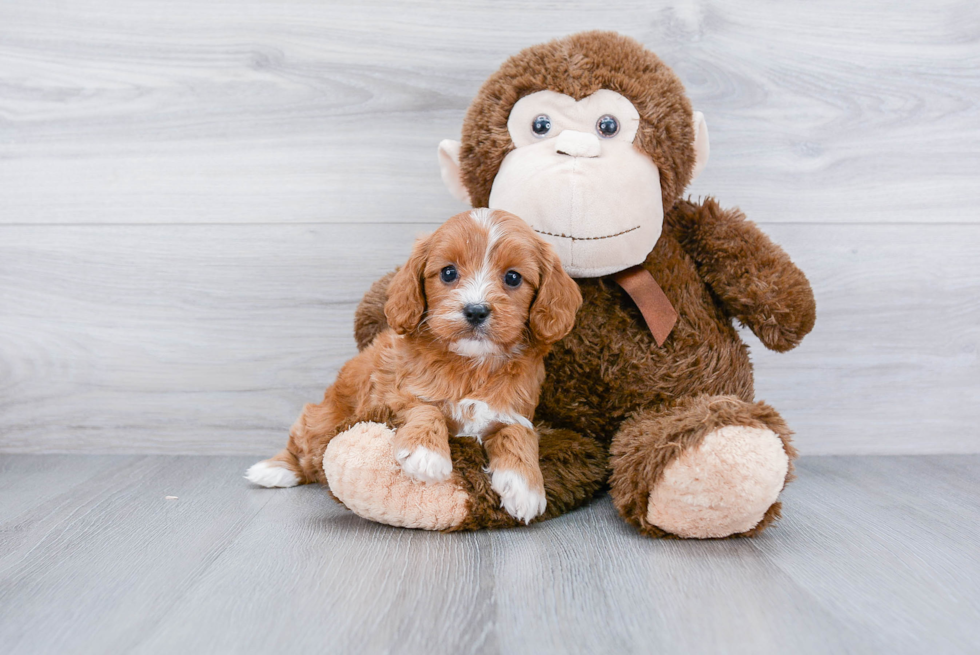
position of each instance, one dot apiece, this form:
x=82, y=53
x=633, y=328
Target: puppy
x=471, y=317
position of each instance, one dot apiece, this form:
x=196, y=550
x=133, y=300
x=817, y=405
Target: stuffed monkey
x=592, y=141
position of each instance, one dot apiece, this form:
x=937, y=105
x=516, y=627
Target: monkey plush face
x=576, y=178
x=587, y=138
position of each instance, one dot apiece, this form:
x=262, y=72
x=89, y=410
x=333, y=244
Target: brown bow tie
x=657, y=311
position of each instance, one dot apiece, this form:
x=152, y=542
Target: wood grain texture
x=896, y=528
x=875, y=554
x=209, y=339
x=193, y=196
x=177, y=338
x=255, y=111
x=892, y=365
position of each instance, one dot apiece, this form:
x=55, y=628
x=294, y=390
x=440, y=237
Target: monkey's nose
x=476, y=314
x=577, y=144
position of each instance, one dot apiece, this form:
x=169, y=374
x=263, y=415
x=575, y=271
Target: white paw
x=424, y=465
x=269, y=473
x=516, y=497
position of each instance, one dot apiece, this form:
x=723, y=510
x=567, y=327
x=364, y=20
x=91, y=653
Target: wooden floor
x=161, y=554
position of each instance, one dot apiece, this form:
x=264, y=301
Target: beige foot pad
x=362, y=472
x=721, y=488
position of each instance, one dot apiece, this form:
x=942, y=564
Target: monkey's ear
x=406, y=293
x=701, y=148
x=449, y=166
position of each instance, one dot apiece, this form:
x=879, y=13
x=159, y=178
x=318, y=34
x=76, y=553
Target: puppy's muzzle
x=476, y=314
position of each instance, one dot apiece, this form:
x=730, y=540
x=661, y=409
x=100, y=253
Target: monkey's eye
x=512, y=279
x=541, y=125
x=607, y=126
x=448, y=274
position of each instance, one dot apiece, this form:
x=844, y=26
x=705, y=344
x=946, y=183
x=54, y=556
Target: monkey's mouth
x=575, y=238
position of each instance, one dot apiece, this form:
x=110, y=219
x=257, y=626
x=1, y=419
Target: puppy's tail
x=283, y=470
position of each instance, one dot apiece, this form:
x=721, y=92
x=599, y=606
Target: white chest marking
x=475, y=418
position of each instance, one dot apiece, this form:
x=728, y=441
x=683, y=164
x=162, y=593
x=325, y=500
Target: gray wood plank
x=589, y=583
x=181, y=111
x=208, y=339
x=92, y=570
x=875, y=554
x=212, y=334
x=582, y=584
x=26, y=483
x=336, y=582
x=889, y=546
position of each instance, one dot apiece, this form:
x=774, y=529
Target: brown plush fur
x=574, y=469
x=369, y=320
x=610, y=366
x=754, y=279
x=608, y=381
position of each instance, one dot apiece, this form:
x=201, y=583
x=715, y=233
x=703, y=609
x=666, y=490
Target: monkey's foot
x=703, y=467
x=723, y=487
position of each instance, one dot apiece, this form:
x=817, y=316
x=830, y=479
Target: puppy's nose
x=577, y=144
x=476, y=314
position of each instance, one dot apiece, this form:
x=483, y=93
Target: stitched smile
x=608, y=236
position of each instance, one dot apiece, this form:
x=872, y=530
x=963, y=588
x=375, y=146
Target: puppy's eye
x=541, y=125
x=512, y=279
x=607, y=126
x=448, y=274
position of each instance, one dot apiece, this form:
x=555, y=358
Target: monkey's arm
x=753, y=277
x=369, y=318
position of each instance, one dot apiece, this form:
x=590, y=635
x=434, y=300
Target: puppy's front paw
x=517, y=497
x=424, y=464
x=271, y=473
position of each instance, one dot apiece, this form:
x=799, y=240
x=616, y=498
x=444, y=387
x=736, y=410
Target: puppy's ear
x=558, y=299
x=406, y=293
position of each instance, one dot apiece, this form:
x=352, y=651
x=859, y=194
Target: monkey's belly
x=610, y=366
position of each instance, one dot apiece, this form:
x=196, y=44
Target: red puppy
x=472, y=315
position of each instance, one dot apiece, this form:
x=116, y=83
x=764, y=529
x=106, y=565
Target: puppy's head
x=483, y=283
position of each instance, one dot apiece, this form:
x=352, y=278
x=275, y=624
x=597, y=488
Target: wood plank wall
x=194, y=195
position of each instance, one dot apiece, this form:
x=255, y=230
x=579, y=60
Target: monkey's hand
x=369, y=319
x=753, y=277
